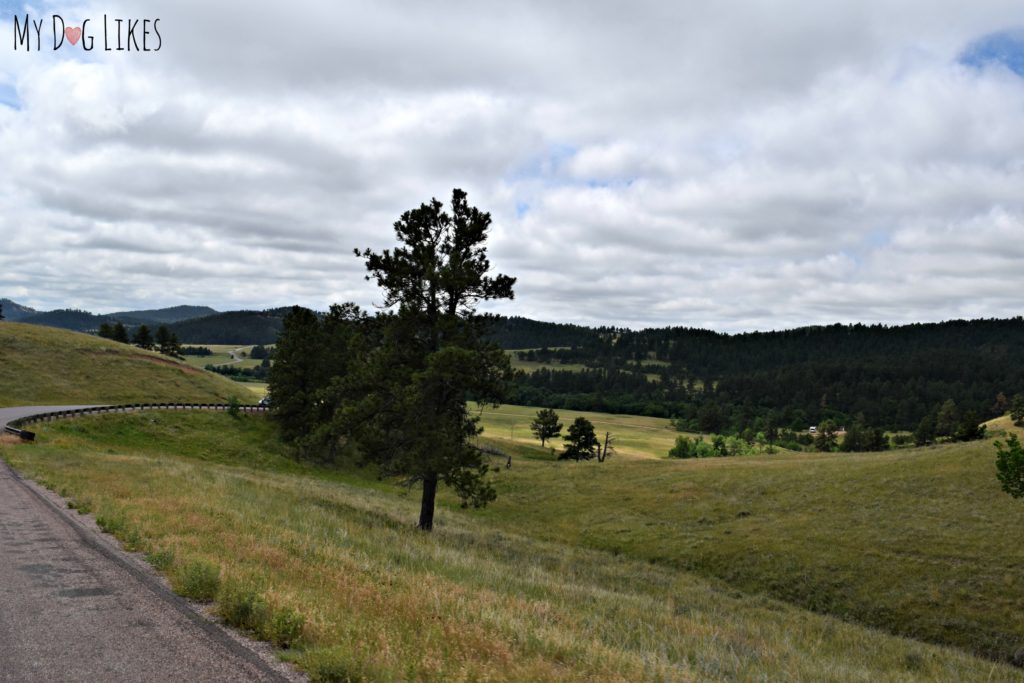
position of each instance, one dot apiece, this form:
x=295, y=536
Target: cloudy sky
x=732, y=165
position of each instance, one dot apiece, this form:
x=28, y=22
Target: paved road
x=74, y=607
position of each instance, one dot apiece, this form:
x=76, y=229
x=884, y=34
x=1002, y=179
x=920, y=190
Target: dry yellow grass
x=381, y=601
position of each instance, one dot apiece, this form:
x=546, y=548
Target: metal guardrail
x=23, y=434
x=14, y=426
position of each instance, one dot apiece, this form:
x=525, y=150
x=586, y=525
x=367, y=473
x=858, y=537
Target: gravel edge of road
x=257, y=653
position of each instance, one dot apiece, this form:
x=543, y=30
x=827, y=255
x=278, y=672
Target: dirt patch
x=10, y=438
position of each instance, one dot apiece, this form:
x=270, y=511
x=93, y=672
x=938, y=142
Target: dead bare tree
x=606, y=449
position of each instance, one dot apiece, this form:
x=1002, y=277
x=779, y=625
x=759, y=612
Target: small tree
x=1, y=311
x=925, y=432
x=968, y=428
x=947, y=419
x=826, y=438
x=1017, y=409
x=143, y=338
x=106, y=331
x=546, y=425
x=167, y=341
x=581, y=442
x=120, y=334
x=1010, y=466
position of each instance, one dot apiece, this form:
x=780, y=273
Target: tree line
x=165, y=341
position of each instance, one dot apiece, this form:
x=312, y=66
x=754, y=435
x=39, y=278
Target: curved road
x=75, y=607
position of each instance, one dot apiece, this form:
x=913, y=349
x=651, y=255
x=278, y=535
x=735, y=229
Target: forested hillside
x=234, y=327
x=893, y=377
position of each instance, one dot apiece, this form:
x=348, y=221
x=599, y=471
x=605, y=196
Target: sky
x=728, y=165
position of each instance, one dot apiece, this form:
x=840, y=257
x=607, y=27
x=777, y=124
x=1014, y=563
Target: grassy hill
x=919, y=542
x=329, y=564
x=45, y=365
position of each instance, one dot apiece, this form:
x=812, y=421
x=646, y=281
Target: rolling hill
x=45, y=365
x=173, y=314
x=233, y=327
x=13, y=311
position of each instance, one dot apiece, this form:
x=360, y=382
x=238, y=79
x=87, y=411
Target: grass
x=919, y=542
x=635, y=436
x=222, y=355
x=45, y=365
x=327, y=564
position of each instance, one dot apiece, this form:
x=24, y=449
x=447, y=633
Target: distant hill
x=233, y=327
x=49, y=366
x=68, y=319
x=523, y=333
x=166, y=315
x=14, y=311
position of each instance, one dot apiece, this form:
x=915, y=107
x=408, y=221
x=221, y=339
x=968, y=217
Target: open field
x=329, y=563
x=920, y=542
x=635, y=436
x=222, y=356
x=45, y=365
x=533, y=366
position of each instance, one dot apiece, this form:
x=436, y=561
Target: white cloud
x=731, y=165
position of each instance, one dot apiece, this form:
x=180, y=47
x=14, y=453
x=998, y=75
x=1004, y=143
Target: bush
x=1010, y=466
x=199, y=580
x=693, y=448
x=240, y=605
x=161, y=559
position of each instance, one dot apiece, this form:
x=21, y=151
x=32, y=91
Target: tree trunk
x=427, y=503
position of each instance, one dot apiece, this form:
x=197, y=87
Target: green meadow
x=326, y=564
x=222, y=355
x=918, y=542
x=634, y=436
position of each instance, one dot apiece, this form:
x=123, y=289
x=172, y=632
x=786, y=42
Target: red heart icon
x=73, y=34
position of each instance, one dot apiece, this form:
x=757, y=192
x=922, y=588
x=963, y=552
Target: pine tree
x=143, y=338
x=412, y=417
x=546, y=425
x=580, y=442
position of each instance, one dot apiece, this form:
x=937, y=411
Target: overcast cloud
x=732, y=165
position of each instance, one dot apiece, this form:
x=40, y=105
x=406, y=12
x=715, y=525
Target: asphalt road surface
x=74, y=607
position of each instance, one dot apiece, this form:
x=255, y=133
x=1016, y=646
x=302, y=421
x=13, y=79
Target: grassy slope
x=920, y=542
x=45, y=365
x=470, y=602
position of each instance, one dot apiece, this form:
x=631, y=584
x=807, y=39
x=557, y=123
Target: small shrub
x=240, y=606
x=162, y=560
x=233, y=404
x=198, y=580
x=112, y=524
x=285, y=627
x=334, y=665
